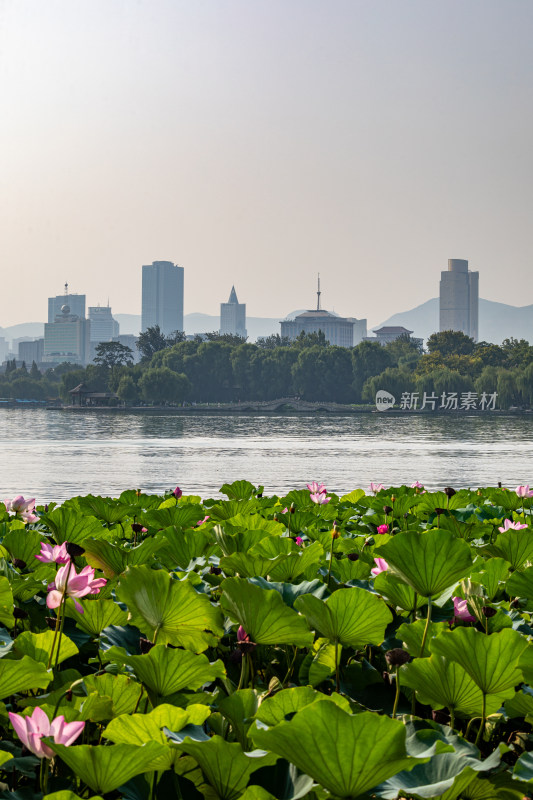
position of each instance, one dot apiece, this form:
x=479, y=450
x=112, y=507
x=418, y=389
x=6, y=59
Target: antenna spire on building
x=66, y=288
x=318, y=294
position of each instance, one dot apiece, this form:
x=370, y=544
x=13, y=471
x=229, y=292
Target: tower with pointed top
x=233, y=316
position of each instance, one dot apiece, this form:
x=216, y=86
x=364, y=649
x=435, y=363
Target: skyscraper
x=162, y=296
x=67, y=338
x=233, y=316
x=76, y=303
x=459, y=298
x=103, y=327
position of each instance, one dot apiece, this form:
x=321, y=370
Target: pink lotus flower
x=177, y=493
x=316, y=488
x=201, y=522
x=383, y=528
x=511, y=526
x=382, y=566
x=242, y=636
x=375, y=487
x=320, y=498
x=31, y=730
x=460, y=610
x=417, y=485
x=22, y=508
x=70, y=583
x=299, y=541
x=524, y=491
x=53, y=553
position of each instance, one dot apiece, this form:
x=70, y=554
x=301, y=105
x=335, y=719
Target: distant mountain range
x=497, y=321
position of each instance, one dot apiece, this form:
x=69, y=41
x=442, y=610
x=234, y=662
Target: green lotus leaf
x=520, y=584
x=225, y=766
x=180, y=516
x=297, y=564
x=96, y=708
x=412, y=635
x=263, y=614
x=442, y=683
x=171, y=610
x=276, y=709
x=70, y=525
x=525, y=662
x=290, y=591
x=180, y=547
x=166, y=671
x=359, y=751
x=106, y=768
x=253, y=523
x=6, y=603
x=520, y=705
x=19, y=676
x=238, y=490
x=107, y=509
x=495, y=572
x=491, y=661
x=123, y=691
x=500, y=786
x=395, y=589
x=353, y=497
x=345, y=570
x=247, y=565
x=4, y=757
x=98, y=613
x=516, y=547
x=257, y=793
x=239, y=708
x=110, y=558
x=24, y=545
x=429, y=562
x=319, y=663
x=353, y=617
x=39, y=646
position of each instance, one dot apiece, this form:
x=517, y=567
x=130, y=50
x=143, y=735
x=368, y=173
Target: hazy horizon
x=258, y=144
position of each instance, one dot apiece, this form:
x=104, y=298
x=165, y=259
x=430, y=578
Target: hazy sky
x=258, y=142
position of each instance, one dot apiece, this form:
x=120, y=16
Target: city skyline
x=381, y=140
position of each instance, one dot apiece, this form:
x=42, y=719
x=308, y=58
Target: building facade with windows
x=162, y=296
x=67, y=339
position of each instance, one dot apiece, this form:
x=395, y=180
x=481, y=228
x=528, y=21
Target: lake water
x=52, y=455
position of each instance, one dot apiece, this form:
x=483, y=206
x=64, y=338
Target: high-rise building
x=103, y=327
x=67, y=339
x=76, y=303
x=30, y=351
x=341, y=331
x=233, y=316
x=459, y=298
x=162, y=297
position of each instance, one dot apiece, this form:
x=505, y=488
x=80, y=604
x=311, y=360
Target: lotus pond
x=375, y=645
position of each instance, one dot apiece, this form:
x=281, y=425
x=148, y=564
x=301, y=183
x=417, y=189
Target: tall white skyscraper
x=233, y=316
x=459, y=298
x=162, y=296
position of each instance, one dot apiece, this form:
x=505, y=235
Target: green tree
x=25, y=388
x=451, y=343
x=161, y=385
x=305, y=340
x=127, y=390
x=393, y=379
x=35, y=372
x=368, y=359
x=519, y=352
x=110, y=355
x=272, y=341
x=152, y=341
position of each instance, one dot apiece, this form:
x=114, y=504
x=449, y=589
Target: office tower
x=103, y=327
x=459, y=298
x=30, y=351
x=233, y=316
x=76, y=303
x=67, y=339
x=341, y=331
x=162, y=297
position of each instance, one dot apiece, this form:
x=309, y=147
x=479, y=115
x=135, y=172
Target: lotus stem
x=426, y=629
x=397, y=696
x=43, y=775
x=452, y=718
x=483, y=714
x=337, y=677
x=58, y=620
x=289, y=667
x=414, y=607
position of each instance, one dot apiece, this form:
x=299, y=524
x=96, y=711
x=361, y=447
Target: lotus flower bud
x=353, y=556
x=439, y=511
x=396, y=657
x=19, y=563
x=177, y=493
x=387, y=509
x=292, y=509
x=19, y=613
x=449, y=492
x=488, y=611
x=145, y=645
